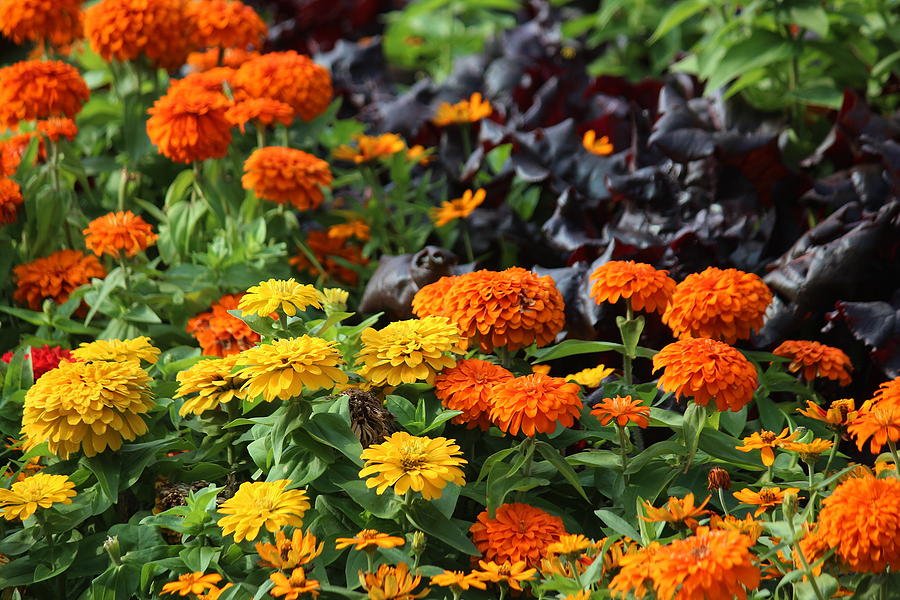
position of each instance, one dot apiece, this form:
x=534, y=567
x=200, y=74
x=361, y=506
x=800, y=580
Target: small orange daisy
x=839, y=415
x=39, y=89
x=766, y=498
x=510, y=573
x=623, y=410
x=677, y=512
x=192, y=583
x=888, y=392
x=285, y=175
x=262, y=111
x=534, y=403
x=54, y=277
x=467, y=387
x=766, y=442
x=10, y=200
x=465, y=111
x=458, y=208
x=369, y=148
x=599, y=146
x=645, y=287
x=813, y=360
x=878, y=422
x=518, y=532
x=287, y=77
x=119, y=233
x=458, y=580
x=369, y=539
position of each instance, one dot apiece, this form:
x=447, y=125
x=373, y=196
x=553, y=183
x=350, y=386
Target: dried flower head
x=518, y=532
x=534, y=404
x=262, y=504
x=458, y=208
x=467, y=387
x=57, y=22
x=645, y=287
x=465, y=111
x=718, y=479
x=39, y=89
x=188, y=124
x=119, y=233
x=599, y=146
x=284, y=368
x=37, y=491
x=287, y=77
x=54, y=277
x=813, y=360
x=407, y=462
x=287, y=176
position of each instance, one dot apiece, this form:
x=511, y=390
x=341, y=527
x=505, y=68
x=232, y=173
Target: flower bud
x=418, y=543
x=718, y=479
x=111, y=545
x=789, y=505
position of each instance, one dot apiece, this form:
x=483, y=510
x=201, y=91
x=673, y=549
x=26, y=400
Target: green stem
x=893, y=447
x=626, y=356
x=467, y=240
x=806, y=568
x=260, y=136
x=502, y=592
x=370, y=559
x=622, y=446
x=123, y=189
x=573, y=564
x=834, y=447
x=722, y=501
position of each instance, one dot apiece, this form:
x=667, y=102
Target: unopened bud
x=718, y=479
x=789, y=505
x=418, y=543
x=111, y=545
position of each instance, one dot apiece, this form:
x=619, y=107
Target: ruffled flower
x=647, y=288
x=39, y=89
x=285, y=368
x=467, y=387
x=287, y=77
x=57, y=22
x=119, y=233
x=287, y=176
x=407, y=462
x=54, y=277
x=518, y=532
x=262, y=504
x=188, y=124
x=813, y=360
x=535, y=403
x=10, y=200
x=226, y=24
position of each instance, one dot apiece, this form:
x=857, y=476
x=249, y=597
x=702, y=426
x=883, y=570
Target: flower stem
x=622, y=446
x=806, y=568
x=722, y=501
x=893, y=446
x=834, y=447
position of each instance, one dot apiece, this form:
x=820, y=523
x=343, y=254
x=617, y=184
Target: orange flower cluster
x=219, y=333
x=226, y=24
x=125, y=29
x=119, y=233
x=718, y=304
x=816, y=360
x=54, y=277
x=622, y=410
x=534, y=403
x=287, y=77
x=706, y=370
x=55, y=21
x=56, y=129
x=188, y=123
x=262, y=111
x=369, y=148
x=467, y=387
x=458, y=208
x=326, y=247
x=465, y=111
x=286, y=175
x=647, y=288
x=38, y=89
x=10, y=200
x=210, y=59
x=518, y=532
x=506, y=309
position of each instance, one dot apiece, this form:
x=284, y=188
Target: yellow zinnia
x=407, y=462
x=334, y=299
x=138, y=348
x=289, y=296
x=409, y=351
x=90, y=406
x=39, y=490
x=213, y=381
x=284, y=368
x=592, y=377
x=262, y=504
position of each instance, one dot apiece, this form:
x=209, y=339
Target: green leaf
x=601, y=459
x=617, y=524
x=762, y=48
x=553, y=456
x=631, y=333
x=428, y=518
x=811, y=17
x=677, y=14
x=574, y=347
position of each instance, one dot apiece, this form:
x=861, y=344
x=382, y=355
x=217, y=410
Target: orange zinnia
x=518, y=532
x=599, y=146
x=56, y=129
x=262, y=111
x=888, y=392
x=839, y=415
x=512, y=308
x=766, y=498
x=677, y=512
x=220, y=333
x=285, y=175
x=706, y=370
x=458, y=208
x=11, y=151
x=634, y=575
x=357, y=229
x=719, y=304
x=10, y=200
x=465, y=111
x=622, y=410
x=816, y=360
x=429, y=300
x=119, y=232
x=189, y=124
x=879, y=421
x=39, y=89
x=467, y=387
x=534, y=403
x=766, y=442
x=125, y=29
x=209, y=59
x=370, y=148
x=647, y=288
x=226, y=24
x=369, y=539
x=54, y=277
x=287, y=77
x=213, y=80
x=861, y=520
x=55, y=21
x=326, y=248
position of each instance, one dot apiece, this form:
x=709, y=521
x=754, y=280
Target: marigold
x=226, y=24
x=54, y=277
x=136, y=349
x=89, y=406
x=888, y=392
x=210, y=81
x=122, y=30
x=678, y=512
x=55, y=21
x=43, y=359
x=706, y=370
x=289, y=552
x=188, y=124
x=262, y=111
x=465, y=111
x=622, y=410
x=327, y=249
x=211, y=59
x=458, y=580
x=368, y=539
x=37, y=491
x=458, y=208
x=407, y=462
x=766, y=442
x=518, y=532
x=38, y=89
x=262, y=504
x=291, y=587
x=467, y=387
x=878, y=421
x=719, y=304
x=274, y=294
x=645, y=287
x=284, y=368
x=591, y=377
x=369, y=148
x=429, y=300
x=510, y=573
x=599, y=146
x=766, y=498
x=816, y=360
x=285, y=175
x=392, y=583
x=287, y=77
x=213, y=381
x=220, y=333
x=839, y=415
x=10, y=200
x=408, y=351
x=749, y=526
x=534, y=403
x=861, y=520
x=195, y=583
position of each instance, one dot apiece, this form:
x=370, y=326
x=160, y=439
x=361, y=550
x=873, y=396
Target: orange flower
x=262, y=111
x=879, y=421
x=766, y=442
x=289, y=552
x=534, y=403
x=325, y=248
x=458, y=580
x=723, y=305
x=220, y=333
x=458, y=208
x=888, y=392
x=119, y=232
x=209, y=59
x=192, y=583
x=189, y=124
x=861, y=520
x=839, y=415
x=634, y=575
x=10, y=200
x=816, y=360
x=749, y=526
x=56, y=128
x=518, y=532
x=370, y=148
x=465, y=111
x=125, y=29
x=287, y=77
x=510, y=573
x=467, y=387
x=291, y=587
x=512, y=308
x=419, y=154
x=369, y=539
x=678, y=512
x=285, y=175
x=809, y=451
x=647, y=288
x=429, y=300
x=357, y=229
x=54, y=277
x=767, y=497
x=392, y=583
x=11, y=152
x=622, y=410
x=54, y=21
x=226, y=24
x=212, y=80
x=706, y=370
x=38, y=89
x=600, y=147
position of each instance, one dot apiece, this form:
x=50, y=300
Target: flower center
x=767, y=497
x=768, y=437
x=412, y=459
x=700, y=552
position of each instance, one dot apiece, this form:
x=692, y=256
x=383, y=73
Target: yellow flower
x=809, y=451
x=458, y=208
x=214, y=383
x=407, y=462
x=369, y=539
x=289, y=552
x=39, y=490
x=334, y=299
x=409, y=351
x=570, y=545
x=458, y=580
x=289, y=296
x=592, y=377
x=90, y=406
x=284, y=368
x=262, y=504
x=599, y=146
x=192, y=583
x=138, y=348
x=291, y=587
x=464, y=111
